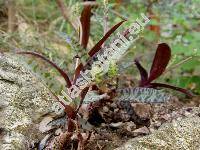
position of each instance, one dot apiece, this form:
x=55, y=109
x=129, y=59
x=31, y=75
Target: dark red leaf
x=61, y=141
x=85, y=23
x=81, y=141
x=71, y=113
x=70, y=125
x=63, y=74
x=161, y=59
x=95, y=88
x=187, y=92
x=77, y=72
x=143, y=72
x=97, y=47
x=83, y=93
x=88, y=138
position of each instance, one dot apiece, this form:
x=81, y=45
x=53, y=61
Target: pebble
x=142, y=130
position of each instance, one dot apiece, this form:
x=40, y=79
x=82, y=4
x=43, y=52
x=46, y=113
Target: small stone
x=130, y=126
x=116, y=110
x=142, y=131
x=141, y=114
x=44, y=127
x=166, y=117
x=105, y=109
x=58, y=132
x=142, y=110
x=113, y=105
x=116, y=125
x=44, y=141
x=157, y=124
x=187, y=114
x=84, y=135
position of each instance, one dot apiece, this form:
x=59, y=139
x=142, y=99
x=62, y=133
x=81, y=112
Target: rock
x=24, y=101
x=142, y=113
x=130, y=126
x=142, y=110
x=116, y=125
x=44, y=124
x=126, y=129
x=43, y=142
x=178, y=135
x=105, y=109
x=141, y=131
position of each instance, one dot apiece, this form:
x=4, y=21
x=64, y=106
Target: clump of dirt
x=115, y=123
x=121, y=121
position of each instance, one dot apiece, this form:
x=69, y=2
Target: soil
x=123, y=121
x=117, y=122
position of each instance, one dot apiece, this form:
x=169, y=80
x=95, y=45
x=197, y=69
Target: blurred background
x=49, y=27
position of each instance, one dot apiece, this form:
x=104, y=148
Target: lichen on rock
x=181, y=134
x=24, y=101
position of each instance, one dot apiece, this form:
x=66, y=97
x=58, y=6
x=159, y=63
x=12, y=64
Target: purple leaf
x=83, y=94
x=63, y=74
x=187, y=92
x=143, y=72
x=97, y=47
x=161, y=59
x=77, y=72
x=70, y=125
x=85, y=23
x=70, y=111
